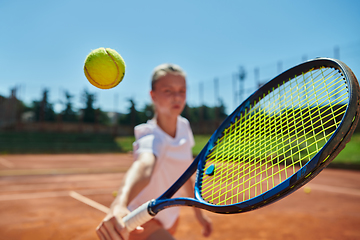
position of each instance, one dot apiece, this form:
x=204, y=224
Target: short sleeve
x=146, y=144
x=146, y=141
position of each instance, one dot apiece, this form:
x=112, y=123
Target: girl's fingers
x=102, y=232
x=100, y=235
x=139, y=229
x=119, y=228
x=111, y=231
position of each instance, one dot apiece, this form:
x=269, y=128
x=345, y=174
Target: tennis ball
x=104, y=68
x=115, y=193
x=307, y=189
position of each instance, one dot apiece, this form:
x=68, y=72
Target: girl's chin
x=174, y=111
x=178, y=109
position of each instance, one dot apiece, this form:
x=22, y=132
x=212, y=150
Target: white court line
x=6, y=163
x=341, y=190
x=24, y=196
x=89, y=202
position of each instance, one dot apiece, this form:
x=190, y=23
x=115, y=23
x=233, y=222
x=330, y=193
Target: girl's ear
x=152, y=95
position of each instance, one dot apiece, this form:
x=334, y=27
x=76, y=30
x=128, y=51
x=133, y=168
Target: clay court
x=35, y=202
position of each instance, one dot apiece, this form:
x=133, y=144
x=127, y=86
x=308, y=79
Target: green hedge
x=15, y=142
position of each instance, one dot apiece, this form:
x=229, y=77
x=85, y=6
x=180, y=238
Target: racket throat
x=149, y=208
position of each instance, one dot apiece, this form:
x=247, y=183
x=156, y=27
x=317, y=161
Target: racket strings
x=275, y=136
x=260, y=176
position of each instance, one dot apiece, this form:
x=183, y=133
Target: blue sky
x=43, y=44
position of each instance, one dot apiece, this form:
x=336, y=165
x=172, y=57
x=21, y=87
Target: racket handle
x=137, y=217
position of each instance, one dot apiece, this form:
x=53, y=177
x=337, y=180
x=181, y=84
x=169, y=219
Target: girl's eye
x=167, y=91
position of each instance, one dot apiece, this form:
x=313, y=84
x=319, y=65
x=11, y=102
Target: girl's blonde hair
x=164, y=69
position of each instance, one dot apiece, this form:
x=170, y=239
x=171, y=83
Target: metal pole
x=216, y=91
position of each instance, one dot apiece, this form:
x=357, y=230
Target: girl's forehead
x=171, y=79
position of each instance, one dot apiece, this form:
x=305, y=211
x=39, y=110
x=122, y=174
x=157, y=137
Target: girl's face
x=169, y=94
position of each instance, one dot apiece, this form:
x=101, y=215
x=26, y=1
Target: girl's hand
x=112, y=226
x=136, y=178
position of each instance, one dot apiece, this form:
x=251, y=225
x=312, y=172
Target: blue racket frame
x=311, y=169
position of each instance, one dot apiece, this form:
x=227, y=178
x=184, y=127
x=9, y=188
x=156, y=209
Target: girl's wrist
x=119, y=211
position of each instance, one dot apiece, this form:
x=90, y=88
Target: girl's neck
x=167, y=124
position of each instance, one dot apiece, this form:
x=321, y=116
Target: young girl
x=162, y=152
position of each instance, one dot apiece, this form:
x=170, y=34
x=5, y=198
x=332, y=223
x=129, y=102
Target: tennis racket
x=276, y=141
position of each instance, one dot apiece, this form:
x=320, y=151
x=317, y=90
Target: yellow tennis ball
x=307, y=189
x=115, y=193
x=104, y=68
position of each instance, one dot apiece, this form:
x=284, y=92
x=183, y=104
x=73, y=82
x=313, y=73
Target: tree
x=44, y=110
x=88, y=111
x=220, y=111
x=102, y=117
x=90, y=114
x=135, y=117
x=186, y=113
x=68, y=115
x=132, y=117
x=147, y=113
x=204, y=113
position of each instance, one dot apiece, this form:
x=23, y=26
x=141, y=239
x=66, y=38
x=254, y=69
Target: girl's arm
x=137, y=177
x=203, y=219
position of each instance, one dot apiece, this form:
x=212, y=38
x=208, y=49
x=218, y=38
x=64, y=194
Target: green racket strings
x=274, y=137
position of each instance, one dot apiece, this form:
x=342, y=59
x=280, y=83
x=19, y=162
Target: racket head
x=279, y=138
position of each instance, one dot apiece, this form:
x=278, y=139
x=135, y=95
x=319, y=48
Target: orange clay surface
x=35, y=202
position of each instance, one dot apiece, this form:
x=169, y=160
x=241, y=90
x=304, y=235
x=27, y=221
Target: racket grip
x=137, y=217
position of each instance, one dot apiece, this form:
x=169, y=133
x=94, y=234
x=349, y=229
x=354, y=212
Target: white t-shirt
x=173, y=157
